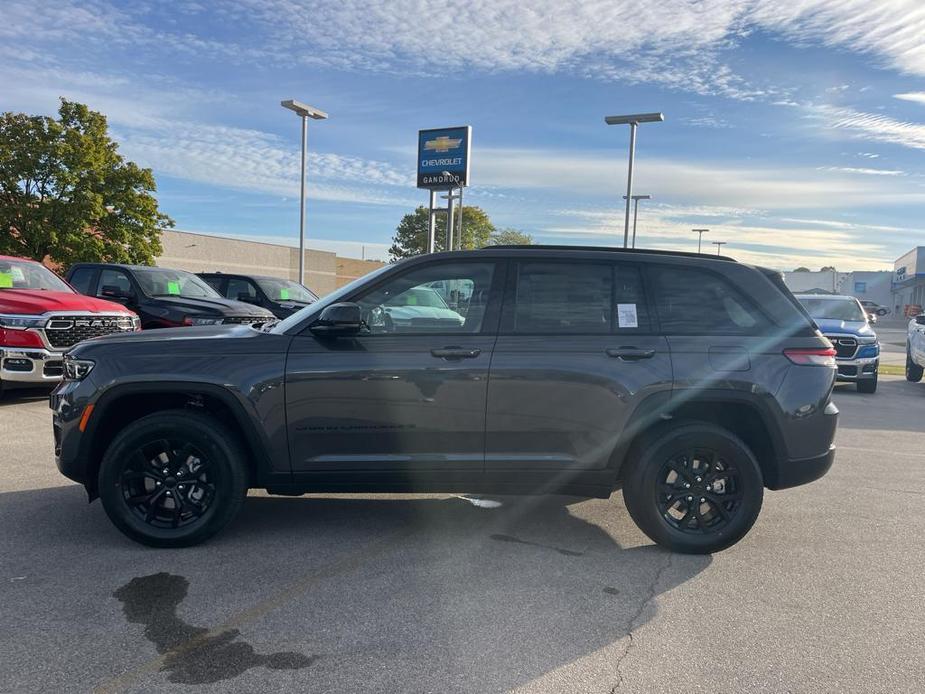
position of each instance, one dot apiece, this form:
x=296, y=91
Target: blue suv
x=843, y=320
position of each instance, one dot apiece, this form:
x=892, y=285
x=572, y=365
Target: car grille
x=65, y=331
x=245, y=319
x=845, y=347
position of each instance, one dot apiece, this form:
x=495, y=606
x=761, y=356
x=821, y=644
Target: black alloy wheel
x=173, y=478
x=693, y=487
x=168, y=484
x=699, y=492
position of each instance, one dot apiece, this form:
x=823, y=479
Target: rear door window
x=691, y=301
x=563, y=298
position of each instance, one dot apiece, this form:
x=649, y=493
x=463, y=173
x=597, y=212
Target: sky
x=794, y=129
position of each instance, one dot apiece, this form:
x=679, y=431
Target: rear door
x=576, y=354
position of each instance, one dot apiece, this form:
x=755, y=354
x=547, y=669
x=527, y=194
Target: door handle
x=455, y=353
x=629, y=353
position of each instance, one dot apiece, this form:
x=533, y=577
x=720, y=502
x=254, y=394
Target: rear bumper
x=30, y=366
x=792, y=473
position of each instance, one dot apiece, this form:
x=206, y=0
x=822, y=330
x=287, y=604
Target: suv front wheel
x=173, y=479
x=694, y=488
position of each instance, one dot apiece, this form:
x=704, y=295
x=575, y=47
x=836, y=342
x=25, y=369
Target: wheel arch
x=125, y=403
x=741, y=415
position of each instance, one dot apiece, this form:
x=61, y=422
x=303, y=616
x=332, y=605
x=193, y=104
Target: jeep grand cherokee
x=691, y=382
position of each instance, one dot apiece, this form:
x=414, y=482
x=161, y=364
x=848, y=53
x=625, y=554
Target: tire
x=868, y=385
x=724, y=522
x=198, y=491
x=913, y=370
x=882, y=312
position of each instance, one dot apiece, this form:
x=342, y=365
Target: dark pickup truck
x=691, y=382
x=162, y=297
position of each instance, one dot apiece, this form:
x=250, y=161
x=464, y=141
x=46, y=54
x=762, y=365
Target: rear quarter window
x=692, y=301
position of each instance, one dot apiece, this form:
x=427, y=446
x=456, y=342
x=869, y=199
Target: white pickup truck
x=915, y=349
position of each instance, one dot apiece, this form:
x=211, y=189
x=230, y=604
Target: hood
x=32, y=302
x=214, y=305
x=164, y=335
x=831, y=325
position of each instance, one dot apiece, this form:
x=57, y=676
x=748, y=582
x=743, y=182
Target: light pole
x=719, y=245
x=701, y=232
x=636, y=199
x=304, y=111
x=633, y=120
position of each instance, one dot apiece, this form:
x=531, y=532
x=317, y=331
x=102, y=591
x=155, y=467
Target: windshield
x=834, y=309
x=22, y=274
x=286, y=290
x=162, y=282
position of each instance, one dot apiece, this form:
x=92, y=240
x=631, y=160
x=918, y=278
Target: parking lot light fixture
x=633, y=120
x=701, y=232
x=304, y=111
x=719, y=245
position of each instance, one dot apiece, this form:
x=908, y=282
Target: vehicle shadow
x=377, y=593
x=22, y=396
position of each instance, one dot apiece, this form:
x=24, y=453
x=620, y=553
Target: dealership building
x=324, y=271
x=909, y=280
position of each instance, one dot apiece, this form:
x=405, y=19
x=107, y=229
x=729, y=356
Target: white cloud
x=874, y=126
x=863, y=171
x=918, y=97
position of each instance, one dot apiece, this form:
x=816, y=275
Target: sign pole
x=449, y=221
x=629, y=185
x=459, y=243
x=431, y=223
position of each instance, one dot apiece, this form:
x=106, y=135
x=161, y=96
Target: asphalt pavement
x=387, y=593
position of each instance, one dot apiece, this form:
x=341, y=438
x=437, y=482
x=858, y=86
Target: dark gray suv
x=691, y=382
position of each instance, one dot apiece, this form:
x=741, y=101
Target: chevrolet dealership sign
x=444, y=150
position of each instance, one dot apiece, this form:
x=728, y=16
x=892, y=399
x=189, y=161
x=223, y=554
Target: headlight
x=21, y=322
x=196, y=320
x=77, y=369
x=136, y=323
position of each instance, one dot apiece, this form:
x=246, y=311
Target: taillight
x=815, y=356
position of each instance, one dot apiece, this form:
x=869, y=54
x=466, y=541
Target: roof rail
x=610, y=249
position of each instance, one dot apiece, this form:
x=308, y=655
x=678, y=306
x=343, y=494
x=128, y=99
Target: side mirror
x=338, y=319
x=920, y=319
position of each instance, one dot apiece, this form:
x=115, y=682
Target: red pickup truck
x=41, y=316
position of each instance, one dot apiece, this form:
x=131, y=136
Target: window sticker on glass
x=284, y=294
x=173, y=287
x=626, y=316
x=6, y=279
x=18, y=274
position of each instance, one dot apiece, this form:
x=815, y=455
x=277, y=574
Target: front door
x=410, y=391
x=576, y=355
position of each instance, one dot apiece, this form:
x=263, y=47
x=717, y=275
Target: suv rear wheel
x=694, y=488
x=173, y=479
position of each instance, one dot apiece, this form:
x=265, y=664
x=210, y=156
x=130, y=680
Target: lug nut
x=687, y=485
x=690, y=498
x=181, y=487
x=700, y=479
x=702, y=500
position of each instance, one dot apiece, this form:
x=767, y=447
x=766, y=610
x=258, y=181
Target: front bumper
x=30, y=366
x=857, y=369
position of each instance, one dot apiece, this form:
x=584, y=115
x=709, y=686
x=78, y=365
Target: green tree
x=66, y=192
x=802, y=269
x=510, y=237
x=827, y=268
x=410, y=237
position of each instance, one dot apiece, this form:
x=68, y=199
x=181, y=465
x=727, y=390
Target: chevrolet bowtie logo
x=442, y=144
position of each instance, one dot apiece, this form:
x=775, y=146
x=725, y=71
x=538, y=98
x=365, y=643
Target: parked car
x=279, y=296
x=845, y=323
x=41, y=316
x=162, y=298
x=915, y=348
x=873, y=308
x=691, y=382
